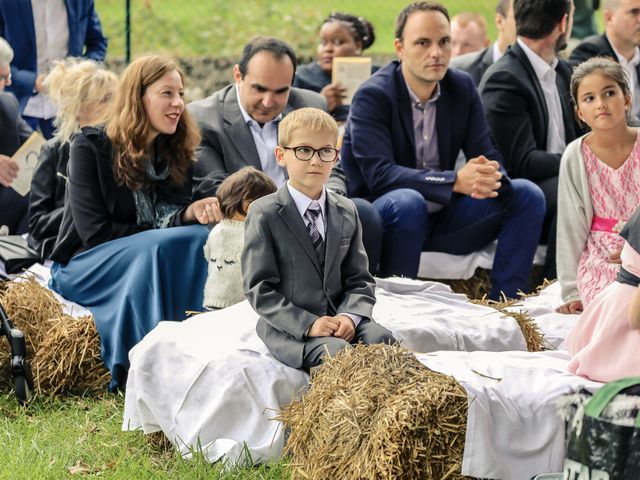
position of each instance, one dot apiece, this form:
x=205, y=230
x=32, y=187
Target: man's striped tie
x=312, y=215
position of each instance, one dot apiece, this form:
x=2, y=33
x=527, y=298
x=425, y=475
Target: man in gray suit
x=239, y=123
x=239, y=127
x=303, y=263
x=476, y=63
x=14, y=131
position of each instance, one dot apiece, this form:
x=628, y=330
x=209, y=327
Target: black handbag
x=604, y=436
x=15, y=254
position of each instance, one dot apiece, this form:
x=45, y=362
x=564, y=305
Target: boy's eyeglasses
x=304, y=153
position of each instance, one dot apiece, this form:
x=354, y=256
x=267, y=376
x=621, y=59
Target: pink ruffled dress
x=602, y=345
x=615, y=195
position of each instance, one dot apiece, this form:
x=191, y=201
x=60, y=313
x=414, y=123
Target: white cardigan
x=575, y=214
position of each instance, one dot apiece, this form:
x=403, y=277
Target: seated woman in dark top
x=82, y=91
x=128, y=182
x=341, y=35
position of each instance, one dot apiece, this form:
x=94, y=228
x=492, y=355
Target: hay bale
x=69, y=357
x=377, y=412
x=530, y=330
x=479, y=286
x=475, y=287
x=31, y=308
x=64, y=351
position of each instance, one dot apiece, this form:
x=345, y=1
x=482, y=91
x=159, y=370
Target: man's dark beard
x=561, y=43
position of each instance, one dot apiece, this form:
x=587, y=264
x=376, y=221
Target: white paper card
x=27, y=158
x=350, y=72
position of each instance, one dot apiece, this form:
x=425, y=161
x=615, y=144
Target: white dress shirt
x=546, y=73
x=630, y=67
x=265, y=139
x=52, y=43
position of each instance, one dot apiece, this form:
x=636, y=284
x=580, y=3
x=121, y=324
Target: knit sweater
x=575, y=214
x=222, y=250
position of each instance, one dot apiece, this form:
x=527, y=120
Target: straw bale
x=532, y=334
x=69, y=358
x=479, y=285
x=475, y=287
x=64, y=352
x=376, y=412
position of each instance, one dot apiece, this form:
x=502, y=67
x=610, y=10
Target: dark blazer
x=16, y=27
x=283, y=280
x=594, y=46
x=378, y=152
x=97, y=209
x=598, y=46
x=14, y=131
x=517, y=114
x=46, y=201
x=227, y=144
x=474, y=63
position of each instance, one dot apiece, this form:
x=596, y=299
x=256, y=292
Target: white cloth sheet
x=210, y=383
x=513, y=429
x=444, y=266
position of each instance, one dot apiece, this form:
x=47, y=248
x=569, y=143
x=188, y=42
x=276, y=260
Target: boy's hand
x=346, y=329
x=324, y=327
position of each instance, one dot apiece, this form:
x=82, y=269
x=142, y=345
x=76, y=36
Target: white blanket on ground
x=210, y=383
x=513, y=430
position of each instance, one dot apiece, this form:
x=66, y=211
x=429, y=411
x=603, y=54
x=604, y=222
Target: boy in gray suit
x=304, y=267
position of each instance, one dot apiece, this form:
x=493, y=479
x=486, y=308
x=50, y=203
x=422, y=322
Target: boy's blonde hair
x=312, y=119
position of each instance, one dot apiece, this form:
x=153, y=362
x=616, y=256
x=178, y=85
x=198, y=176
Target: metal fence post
x=127, y=31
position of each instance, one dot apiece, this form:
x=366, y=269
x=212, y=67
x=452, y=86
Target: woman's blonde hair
x=75, y=86
x=128, y=126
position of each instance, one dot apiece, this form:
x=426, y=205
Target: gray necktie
x=312, y=215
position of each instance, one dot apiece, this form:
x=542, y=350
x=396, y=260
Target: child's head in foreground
x=307, y=138
x=600, y=85
x=241, y=188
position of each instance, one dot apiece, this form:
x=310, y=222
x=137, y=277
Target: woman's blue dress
x=132, y=283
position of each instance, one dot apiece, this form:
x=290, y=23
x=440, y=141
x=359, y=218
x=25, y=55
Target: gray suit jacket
x=227, y=144
x=14, y=131
x=283, y=280
x=474, y=63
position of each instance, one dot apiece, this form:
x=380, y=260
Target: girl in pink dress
x=605, y=341
x=599, y=185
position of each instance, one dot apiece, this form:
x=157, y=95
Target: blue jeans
x=45, y=125
x=371, y=231
x=465, y=226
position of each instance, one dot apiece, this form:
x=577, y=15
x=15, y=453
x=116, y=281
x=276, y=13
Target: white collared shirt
x=51, y=27
x=265, y=139
x=630, y=67
x=302, y=203
x=496, y=52
x=546, y=73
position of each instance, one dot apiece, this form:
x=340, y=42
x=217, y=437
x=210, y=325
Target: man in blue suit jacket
x=17, y=27
x=406, y=128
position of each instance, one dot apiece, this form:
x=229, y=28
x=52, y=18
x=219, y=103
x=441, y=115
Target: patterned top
x=615, y=194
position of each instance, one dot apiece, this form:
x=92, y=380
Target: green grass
x=219, y=28
x=54, y=438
